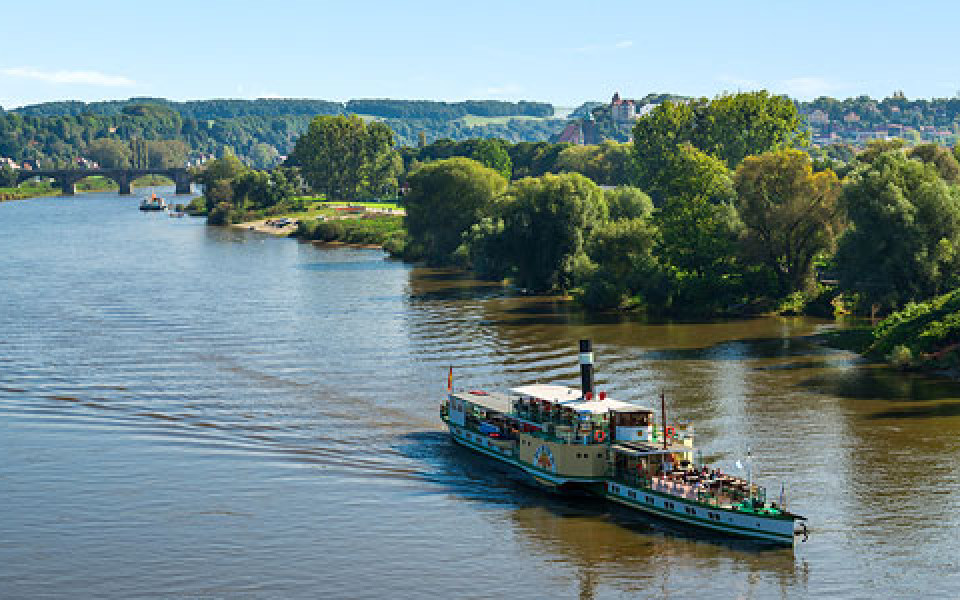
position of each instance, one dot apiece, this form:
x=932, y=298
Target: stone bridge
x=67, y=178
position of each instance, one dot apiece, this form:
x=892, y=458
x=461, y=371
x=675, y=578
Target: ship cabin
x=553, y=427
x=552, y=411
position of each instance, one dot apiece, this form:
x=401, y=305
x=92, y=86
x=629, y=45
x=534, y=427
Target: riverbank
x=27, y=191
x=921, y=337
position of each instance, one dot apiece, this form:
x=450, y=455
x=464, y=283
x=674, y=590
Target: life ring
x=599, y=436
x=671, y=431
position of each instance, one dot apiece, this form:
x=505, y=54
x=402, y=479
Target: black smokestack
x=586, y=368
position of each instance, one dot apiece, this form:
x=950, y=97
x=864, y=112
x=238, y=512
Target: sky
x=560, y=52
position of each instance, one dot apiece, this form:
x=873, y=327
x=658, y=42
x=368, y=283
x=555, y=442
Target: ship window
x=632, y=494
x=599, y=455
x=649, y=499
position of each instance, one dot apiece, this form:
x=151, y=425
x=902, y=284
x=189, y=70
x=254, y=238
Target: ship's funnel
x=586, y=369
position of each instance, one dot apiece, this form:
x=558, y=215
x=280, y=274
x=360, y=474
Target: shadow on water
x=748, y=348
x=878, y=382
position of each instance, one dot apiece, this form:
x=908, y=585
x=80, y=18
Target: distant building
x=622, y=111
x=8, y=162
x=851, y=117
x=572, y=134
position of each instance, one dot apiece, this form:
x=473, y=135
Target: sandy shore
x=262, y=227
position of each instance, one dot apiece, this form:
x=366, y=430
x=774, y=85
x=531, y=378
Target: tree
x=626, y=202
x=730, y=128
x=109, y=153
x=748, y=123
x=227, y=168
x=940, y=157
x=382, y=163
x=608, y=163
x=545, y=223
x=264, y=156
x=164, y=154
x=905, y=232
x=491, y=153
x=621, y=262
x=790, y=214
x=337, y=155
x=8, y=176
x=446, y=198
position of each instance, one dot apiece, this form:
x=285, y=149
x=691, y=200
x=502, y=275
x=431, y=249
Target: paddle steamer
x=569, y=439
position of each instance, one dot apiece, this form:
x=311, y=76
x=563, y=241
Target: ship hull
x=484, y=445
x=744, y=525
x=678, y=510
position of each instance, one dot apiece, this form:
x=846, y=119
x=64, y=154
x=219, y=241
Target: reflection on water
x=203, y=411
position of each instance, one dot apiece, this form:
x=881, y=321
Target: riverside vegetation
x=713, y=208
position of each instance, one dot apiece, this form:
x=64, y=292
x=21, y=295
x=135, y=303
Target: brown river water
x=212, y=413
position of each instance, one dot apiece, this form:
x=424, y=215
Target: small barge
x=578, y=440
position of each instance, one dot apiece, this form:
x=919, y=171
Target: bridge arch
x=67, y=178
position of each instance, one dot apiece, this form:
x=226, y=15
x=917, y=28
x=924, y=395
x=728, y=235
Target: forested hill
x=258, y=131
x=284, y=107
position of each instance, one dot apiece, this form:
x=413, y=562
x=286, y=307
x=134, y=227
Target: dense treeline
x=429, y=109
x=257, y=131
x=281, y=107
x=737, y=219
x=59, y=141
x=608, y=163
x=191, y=109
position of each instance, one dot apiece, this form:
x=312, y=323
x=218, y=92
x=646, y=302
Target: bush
x=220, y=215
x=901, y=357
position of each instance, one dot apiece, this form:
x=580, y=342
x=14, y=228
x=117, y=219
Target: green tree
x=109, y=153
x=8, y=176
x=264, y=156
x=626, y=202
x=747, y=123
x=730, y=127
x=940, y=157
x=546, y=221
x=621, y=263
x=337, y=155
x=790, y=214
x=446, y=198
x=905, y=232
x=493, y=154
x=227, y=168
x=164, y=154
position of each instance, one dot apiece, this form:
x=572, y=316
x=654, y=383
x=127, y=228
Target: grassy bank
x=386, y=231
x=28, y=190
x=924, y=336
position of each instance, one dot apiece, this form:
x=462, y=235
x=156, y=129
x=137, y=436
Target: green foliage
x=8, y=176
x=922, y=334
x=379, y=230
x=790, y=214
x=546, y=221
x=730, y=127
x=447, y=197
x=446, y=110
x=626, y=202
x=493, y=154
x=109, y=153
x=608, y=163
x=905, y=231
x=343, y=156
x=940, y=157
x=621, y=266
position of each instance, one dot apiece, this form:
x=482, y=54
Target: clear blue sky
x=561, y=52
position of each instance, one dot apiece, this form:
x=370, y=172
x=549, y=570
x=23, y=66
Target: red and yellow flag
x=450, y=380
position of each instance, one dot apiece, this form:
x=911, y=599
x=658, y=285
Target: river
x=202, y=412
